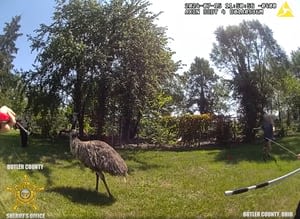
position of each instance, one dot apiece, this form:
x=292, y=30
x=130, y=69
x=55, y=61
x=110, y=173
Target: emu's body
x=99, y=157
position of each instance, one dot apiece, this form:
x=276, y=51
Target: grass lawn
x=161, y=184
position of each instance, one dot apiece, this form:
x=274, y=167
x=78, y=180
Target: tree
x=7, y=43
x=255, y=61
x=73, y=58
x=107, y=58
x=144, y=66
x=295, y=62
x=290, y=97
x=174, y=89
x=199, y=85
x=221, y=97
x=290, y=87
x=8, y=80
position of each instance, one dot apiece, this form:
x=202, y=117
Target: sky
x=192, y=35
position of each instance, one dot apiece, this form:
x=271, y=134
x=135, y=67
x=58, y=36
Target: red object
x=4, y=117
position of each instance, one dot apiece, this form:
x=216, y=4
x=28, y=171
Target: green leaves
x=256, y=62
x=199, y=85
x=7, y=42
x=109, y=58
x=10, y=83
x=295, y=62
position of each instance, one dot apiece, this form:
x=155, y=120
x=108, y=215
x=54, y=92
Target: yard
x=160, y=184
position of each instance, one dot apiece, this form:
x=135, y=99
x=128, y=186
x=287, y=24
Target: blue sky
x=33, y=13
x=193, y=35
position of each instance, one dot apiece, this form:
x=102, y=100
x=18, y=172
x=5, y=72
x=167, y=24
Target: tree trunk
x=126, y=123
x=203, y=108
x=251, y=111
x=102, y=105
x=79, y=104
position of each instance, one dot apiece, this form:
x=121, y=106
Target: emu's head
x=73, y=135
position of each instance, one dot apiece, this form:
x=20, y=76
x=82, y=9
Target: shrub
x=223, y=129
x=162, y=130
x=194, y=128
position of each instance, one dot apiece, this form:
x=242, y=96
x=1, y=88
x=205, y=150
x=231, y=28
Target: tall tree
x=295, y=62
x=199, y=85
x=291, y=86
x=144, y=66
x=222, y=97
x=252, y=56
x=8, y=49
x=107, y=56
x=70, y=55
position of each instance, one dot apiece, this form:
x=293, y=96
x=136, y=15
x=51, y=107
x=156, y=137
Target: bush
x=223, y=129
x=162, y=130
x=194, y=128
x=49, y=125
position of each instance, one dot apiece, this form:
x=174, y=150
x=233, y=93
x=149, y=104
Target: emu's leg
x=103, y=179
x=97, y=181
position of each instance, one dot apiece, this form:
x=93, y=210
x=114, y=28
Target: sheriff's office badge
x=25, y=193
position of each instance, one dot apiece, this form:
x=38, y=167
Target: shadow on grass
x=51, y=152
x=83, y=196
x=254, y=152
x=47, y=174
x=39, y=151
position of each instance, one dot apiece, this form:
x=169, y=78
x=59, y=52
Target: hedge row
x=193, y=129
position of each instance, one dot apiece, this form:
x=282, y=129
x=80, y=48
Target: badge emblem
x=25, y=193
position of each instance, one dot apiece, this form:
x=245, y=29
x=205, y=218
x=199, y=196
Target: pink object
x=4, y=117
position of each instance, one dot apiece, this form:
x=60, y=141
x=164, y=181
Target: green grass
x=161, y=184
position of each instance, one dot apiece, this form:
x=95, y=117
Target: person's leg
x=297, y=216
x=269, y=147
x=267, y=150
x=23, y=138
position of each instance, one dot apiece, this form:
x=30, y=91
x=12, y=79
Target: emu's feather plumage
x=99, y=157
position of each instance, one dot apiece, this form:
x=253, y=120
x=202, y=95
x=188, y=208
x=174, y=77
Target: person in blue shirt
x=268, y=129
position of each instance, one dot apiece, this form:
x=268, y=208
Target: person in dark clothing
x=268, y=129
x=297, y=216
x=23, y=133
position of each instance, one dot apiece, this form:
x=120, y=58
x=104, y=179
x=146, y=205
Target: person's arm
x=5, y=109
x=12, y=118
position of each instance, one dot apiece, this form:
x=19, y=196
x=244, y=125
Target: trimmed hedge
x=194, y=128
x=190, y=129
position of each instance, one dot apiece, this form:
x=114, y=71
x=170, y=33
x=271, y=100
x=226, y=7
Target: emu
x=99, y=157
